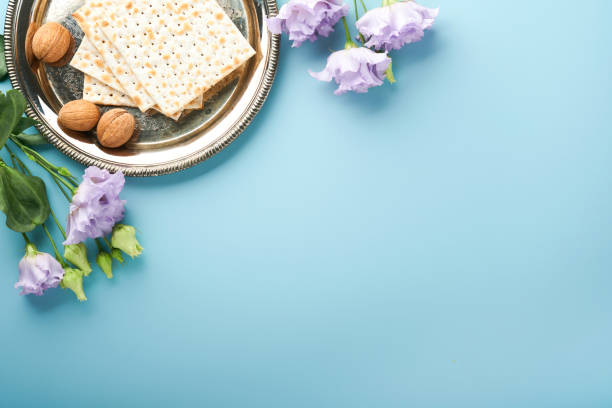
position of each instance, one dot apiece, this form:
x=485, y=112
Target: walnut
x=51, y=42
x=115, y=128
x=79, y=115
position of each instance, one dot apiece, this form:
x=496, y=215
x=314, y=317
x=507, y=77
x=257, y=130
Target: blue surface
x=443, y=242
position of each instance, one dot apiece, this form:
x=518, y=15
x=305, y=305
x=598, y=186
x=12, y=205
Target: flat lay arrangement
x=382, y=29
x=305, y=203
x=167, y=58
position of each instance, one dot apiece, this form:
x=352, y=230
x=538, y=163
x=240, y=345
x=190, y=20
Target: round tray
x=162, y=145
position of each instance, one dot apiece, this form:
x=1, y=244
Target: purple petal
x=354, y=69
x=305, y=20
x=38, y=273
x=96, y=206
x=391, y=27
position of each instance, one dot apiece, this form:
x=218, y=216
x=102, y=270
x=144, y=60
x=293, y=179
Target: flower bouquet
x=357, y=67
x=95, y=209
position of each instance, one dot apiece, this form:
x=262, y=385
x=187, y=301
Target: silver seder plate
x=161, y=145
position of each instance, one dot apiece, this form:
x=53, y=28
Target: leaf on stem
x=35, y=139
x=12, y=106
x=3, y=70
x=23, y=199
x=23, y=124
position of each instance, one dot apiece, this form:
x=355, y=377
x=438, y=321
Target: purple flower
x=391, y=27
x=354, y=69
x=306, y=19
x=96, y=206
x=38, y=272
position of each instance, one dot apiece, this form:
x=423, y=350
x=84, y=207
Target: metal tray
x=161, y=145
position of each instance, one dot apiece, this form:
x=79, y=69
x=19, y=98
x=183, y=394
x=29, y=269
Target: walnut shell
x=51, y=42
x=79, y=115
x=28, y=45
x=115, y=128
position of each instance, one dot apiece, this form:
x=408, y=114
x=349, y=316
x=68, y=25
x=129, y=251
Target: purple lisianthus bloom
x=38, y=272
x=306, y=19
x=96, y=206
x=354, y=69
x=391, y=27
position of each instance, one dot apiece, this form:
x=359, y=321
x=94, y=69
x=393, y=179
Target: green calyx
x=105, y=262
x=73, y=280
x=30, y=250
x=350, y=44
x=389, y=73
x=124, y=238
x=116, y=254
x=388, y=2
x=76, y=254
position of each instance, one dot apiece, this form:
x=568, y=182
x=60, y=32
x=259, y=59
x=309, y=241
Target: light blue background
x=443, y=242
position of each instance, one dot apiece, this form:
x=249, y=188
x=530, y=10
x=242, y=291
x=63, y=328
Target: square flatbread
x=101, y=94
x=100, y=85
x=88, y=17
x=176, y=49
x=88, y=60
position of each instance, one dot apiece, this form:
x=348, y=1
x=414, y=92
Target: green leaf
x=31, y=140
x=23, y=124
x=23, y=199
x=3, y=204
x=12, y=107
x=3, y=70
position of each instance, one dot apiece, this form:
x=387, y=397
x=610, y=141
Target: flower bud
x=124, y=238
x=116, y=253
x=73, y=280
x=76, y=254
x=105, y=262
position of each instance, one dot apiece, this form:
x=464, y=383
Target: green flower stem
x=27, y=171
x=25, y=237
x=57, y=177
x=62, y=190
x=357, y=18
x=57, y=254
x=12, y=156
x=108, y=244
x=389, y=73
x=61, y=180
x=62, y=171
x=17, y=162
x=59, y=226
x=365, y=9
x=99, y=245
x=24, y=168
x=44, y=163
x=349, y=41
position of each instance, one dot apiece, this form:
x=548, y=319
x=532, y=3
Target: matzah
x=88, y=18
x=177, y=50
x=88, y=60
x=99, y=93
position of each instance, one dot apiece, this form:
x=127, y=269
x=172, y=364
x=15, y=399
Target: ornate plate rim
x=159, y=169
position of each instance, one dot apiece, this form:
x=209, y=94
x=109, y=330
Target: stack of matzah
x=156, y=54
